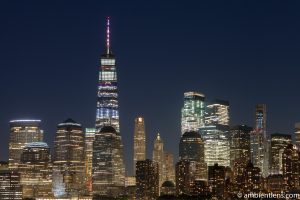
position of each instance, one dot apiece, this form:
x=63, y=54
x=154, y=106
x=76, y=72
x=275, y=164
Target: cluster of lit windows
x=107, y=76
x=108, y=61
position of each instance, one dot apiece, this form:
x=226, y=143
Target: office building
x=158, y=157
x=88, y=156
x=68, y=161
x=10, y=187
x=139, y=141
x=147, y=180
x=22, y=132
x=192, y=112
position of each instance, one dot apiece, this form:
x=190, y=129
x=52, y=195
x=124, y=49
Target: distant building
x=168, y=188
x=275, y=183
x=216, y=180
x=169, y=167
x=22, y=132
x=139, y=141
x=88, y=156
x=183, y=177
x=10, y=187
x=216, y=144
x=147, y=180
x=259, y=141
x=130, y=187
x=279, y=142
x=36, y=170
x=297, y=134
x=108, y=164
x=158, y=157
x=68, y=161
x=192, y=112
x=291, y=167
x=217, y=113
x=252, y=179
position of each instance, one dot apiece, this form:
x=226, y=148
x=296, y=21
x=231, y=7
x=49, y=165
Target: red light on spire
x=107, y=36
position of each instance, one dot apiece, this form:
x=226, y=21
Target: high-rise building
x=107, y=102
x=252, y=180
x=191, y=147
x=259, y=142
x=216, y=144
x=217, y=112
x=36, y=171
x=22, y=132
x=147, y=180
x=216, y=180
x=279, y=143
x=239, y=144
x=108, y=164
x=183, y=177
x=68, y=162
x=139, y=141
x=291, y=167
x=158, y=157
x=88, y=156
x=10, y=187
x=192, y=113
x=297, y=134
x=169, y=167
x=215, y=133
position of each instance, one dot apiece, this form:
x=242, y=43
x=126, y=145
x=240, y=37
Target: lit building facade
x=191, y=147
x=183, y=177
x=217, y=113
x=216, y=180
x=240, y=144
x=68, y=162
x=139, y=141
x=147, y=180
x=169, y=167
x=216, y=144
x=259, y=142
x=88, y=156
x=22, y=132
x=158, y=157
x=107, y=100
x=10, y=187
x=291, y=167
x=279, y=142
x=108, y=164
x=36, y=171
x=252, y=180
x=192, y=113
x=297, y=134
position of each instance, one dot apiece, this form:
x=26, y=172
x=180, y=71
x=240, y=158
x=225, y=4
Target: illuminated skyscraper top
x=107, y=99
x=261, y=118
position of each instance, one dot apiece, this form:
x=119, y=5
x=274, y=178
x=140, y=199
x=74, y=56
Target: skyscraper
x=158, y=157
x=22, y=132
x=259, y=142
x=108, y=164
x=215, y=133
x=192, y=113
x=169, y=167
x=217, y=112
x=68, y=162
x=139, y=141
x=88, y=156
x=107, y=102
x=216, y=180
x=36, y=170
x=10, y=187
x=279, y=143
x=147, y=180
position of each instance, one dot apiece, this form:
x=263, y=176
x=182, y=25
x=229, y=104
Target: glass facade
x=108, y=166
x=36, y=171
x=68, y=164
x=217, y=112
x=192, y=113
x=22, y=132
x=88, y=156
x=107, y=113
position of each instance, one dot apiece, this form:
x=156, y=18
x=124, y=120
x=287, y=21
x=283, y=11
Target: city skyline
x=69, y=106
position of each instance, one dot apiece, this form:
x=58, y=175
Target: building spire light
x=107, y=36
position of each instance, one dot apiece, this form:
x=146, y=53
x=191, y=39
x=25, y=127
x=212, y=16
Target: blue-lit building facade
x=107, y=101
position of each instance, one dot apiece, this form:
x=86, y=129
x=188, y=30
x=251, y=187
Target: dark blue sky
x=246, y=52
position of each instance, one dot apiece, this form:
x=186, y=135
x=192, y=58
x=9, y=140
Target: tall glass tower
x=107, y=102
x=192, y=113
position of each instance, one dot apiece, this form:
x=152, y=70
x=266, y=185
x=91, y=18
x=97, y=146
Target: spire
x=107, y=36
x=158, y=136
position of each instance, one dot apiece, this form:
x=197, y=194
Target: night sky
x=246, y=52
